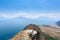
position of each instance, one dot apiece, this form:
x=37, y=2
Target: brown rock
x=39, y=35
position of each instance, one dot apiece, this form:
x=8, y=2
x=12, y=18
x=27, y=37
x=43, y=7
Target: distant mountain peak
x=58, y=23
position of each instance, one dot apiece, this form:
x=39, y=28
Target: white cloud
x=31, y=16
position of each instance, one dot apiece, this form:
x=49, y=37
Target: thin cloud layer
x=30, y=16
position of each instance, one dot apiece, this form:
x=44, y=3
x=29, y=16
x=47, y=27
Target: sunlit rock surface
x=24, y=35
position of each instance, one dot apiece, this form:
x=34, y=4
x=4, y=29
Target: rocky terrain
x=24, y=35
x=35, y=32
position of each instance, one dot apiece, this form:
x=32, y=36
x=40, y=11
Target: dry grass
x=52, y=31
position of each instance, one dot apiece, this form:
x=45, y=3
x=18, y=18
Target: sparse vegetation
x=47, y=37
x=51, y=33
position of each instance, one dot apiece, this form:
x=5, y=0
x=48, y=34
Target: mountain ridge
x=44, y=33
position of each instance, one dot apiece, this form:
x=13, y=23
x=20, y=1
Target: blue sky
x=20, y=5
x=29, y=11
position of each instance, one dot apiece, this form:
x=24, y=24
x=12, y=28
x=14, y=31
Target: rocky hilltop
x=39, y=35
x=34, y=32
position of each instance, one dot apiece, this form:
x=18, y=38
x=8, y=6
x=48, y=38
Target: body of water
x=7, y=32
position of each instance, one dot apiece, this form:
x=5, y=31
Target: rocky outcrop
x=24, y=35
x=30, y=32
x=36, y=28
